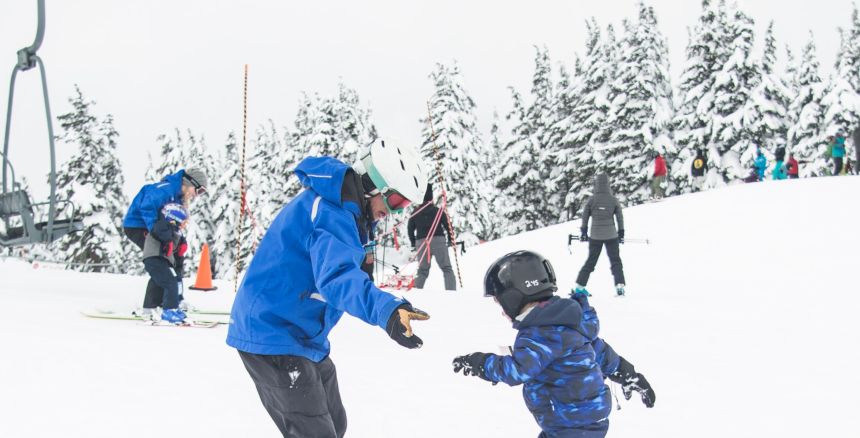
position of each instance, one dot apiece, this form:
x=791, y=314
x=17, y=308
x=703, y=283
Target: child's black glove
x=583, y=236
x=630, y=381
x=621, y=236
x=399, y=327
x=472, y=365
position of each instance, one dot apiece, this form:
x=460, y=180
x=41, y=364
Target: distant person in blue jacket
x=760, y=164
x=144, y=213
x=557, y=356
x=307, y=272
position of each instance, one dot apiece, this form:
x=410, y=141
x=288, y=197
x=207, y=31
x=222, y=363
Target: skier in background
x=418, y=228
x=557, y=356
x=143, y=213
x=698, y=169
x=856, y=137
x=779, y=171
x=164, y=251
x=306, y=273
x=793, y=167
x=837, y=151
x=760, y=165
x=606, y=211
x=658, y=177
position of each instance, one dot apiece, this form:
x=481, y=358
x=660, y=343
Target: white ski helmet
x=393, y=167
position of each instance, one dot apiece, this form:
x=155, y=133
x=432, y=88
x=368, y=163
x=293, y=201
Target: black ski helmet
x=519, y=278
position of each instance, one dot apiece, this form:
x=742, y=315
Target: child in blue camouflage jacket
x=557, y=355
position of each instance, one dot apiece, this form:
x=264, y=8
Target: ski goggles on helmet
x=198, y=188
x=394, y=201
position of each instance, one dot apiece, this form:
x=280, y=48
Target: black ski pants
x=300, y=395
x=594, y=249
x=165, y=278
x=154, y=293
x=837, y=165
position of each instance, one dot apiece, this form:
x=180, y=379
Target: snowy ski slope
x=742, y=313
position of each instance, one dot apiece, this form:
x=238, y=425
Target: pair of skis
x=196, y=319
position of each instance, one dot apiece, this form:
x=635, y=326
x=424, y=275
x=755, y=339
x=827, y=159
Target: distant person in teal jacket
x=760, y=164
x=838, y=154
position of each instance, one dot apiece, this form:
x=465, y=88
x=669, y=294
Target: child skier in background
x=760, y=165
x=163, y=258
x=557, y=356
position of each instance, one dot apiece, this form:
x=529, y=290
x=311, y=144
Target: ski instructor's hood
x=601, y=184
x=307, y=270
x=330, y=179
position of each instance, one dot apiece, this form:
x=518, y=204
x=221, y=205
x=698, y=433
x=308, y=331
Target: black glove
x=472, y=365
x=399, y=327
x=620, y=236
x=630, y=381
x=179, y=267
x=583, y=237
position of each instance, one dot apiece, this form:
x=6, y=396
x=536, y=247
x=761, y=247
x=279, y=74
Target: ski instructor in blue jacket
x=307, y=272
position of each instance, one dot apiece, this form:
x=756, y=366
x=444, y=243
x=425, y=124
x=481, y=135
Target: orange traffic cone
x=204, y=272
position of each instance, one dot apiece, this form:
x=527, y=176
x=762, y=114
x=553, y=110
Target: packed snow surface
x=742, y=313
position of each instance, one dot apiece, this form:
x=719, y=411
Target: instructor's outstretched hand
x=399, y=326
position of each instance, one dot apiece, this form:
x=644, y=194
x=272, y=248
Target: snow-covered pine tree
x=706, y=55
x=270, y=172
x=92, y=179
x=459, y=148
x=513, y=174
x=733, y=120
x=354, y=129
x=317, y=135
x=226, y=203
x=642, y=108
x=841, y=102
x=805, y=136
x=556, y=128
x=574, y=162
x=768, y=106
x=527, y=160
x=493, y=222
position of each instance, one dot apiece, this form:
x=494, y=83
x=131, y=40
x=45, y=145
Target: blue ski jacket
x=146, y=206
x=561, y=363
x=307, y=272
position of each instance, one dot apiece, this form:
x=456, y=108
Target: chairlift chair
x=20, y=216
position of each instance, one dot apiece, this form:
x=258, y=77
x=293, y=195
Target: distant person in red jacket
x=659, y=177
x=793, y=167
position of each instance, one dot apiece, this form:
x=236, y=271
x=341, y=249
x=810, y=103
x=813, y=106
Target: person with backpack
x=604, y=211
x=419, y=228
x=658, y=177
x=698, y=169
x=558, y=356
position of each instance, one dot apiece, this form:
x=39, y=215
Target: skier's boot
x=619, y=289
x=579, y=290
x=186, y=307
x=146, y=314
x=173, y=316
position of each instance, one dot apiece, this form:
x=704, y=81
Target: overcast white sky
x=157, y=64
